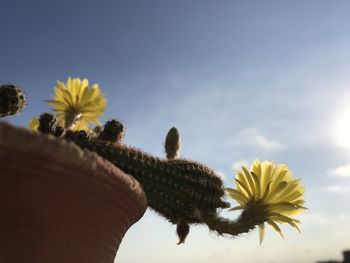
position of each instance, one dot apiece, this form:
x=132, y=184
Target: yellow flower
x=272, y=189
x=34, y=124
x=77, y=104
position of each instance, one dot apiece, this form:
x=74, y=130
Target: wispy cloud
x=253, y=137
x=312, y=218
x=315, y=221
x=341, y=171
x=339, y=189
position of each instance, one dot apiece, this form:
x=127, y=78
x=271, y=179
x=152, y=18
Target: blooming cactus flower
x=77, y=104
x=273, y=189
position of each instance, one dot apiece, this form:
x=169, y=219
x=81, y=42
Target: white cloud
x=339, y=189
x=253, y=137
x=341, y=171
x=310, y=219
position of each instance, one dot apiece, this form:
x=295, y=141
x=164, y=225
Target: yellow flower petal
x=246, y=191
x=282, y=218
x=59, y=105
x=283, y=207
x=267, y=191
x=236, y=208
x=237, y=195
x=293, y=224
x=249, y=179
x=257, y=184
x=261, y=232
x=274, y=191
x=266, y=168
x=34, y=124
x=275, y=227
x=256, y=168
x=243, y=180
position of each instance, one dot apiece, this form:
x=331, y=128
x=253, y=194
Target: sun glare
x=342, y=128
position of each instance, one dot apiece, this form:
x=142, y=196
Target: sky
x=241, y=80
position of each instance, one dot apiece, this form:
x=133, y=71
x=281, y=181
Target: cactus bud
x=58, y=131
x=113, y=132
x=182, y=231
x=12, y=100
x=172, y=144
x=47, y=123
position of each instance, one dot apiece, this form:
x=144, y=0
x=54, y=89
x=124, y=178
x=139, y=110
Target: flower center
x=72, y=117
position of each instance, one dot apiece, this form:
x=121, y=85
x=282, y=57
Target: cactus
x=183, y=191
x=12, y=100
x=178, y=189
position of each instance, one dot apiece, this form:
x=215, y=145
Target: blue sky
x=240, y=80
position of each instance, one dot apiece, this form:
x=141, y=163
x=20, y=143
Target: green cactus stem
x=184, y=192
x=177, y=189
x=253, y=214
x=12, y=100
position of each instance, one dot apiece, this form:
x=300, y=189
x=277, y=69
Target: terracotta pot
x=59, y=203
